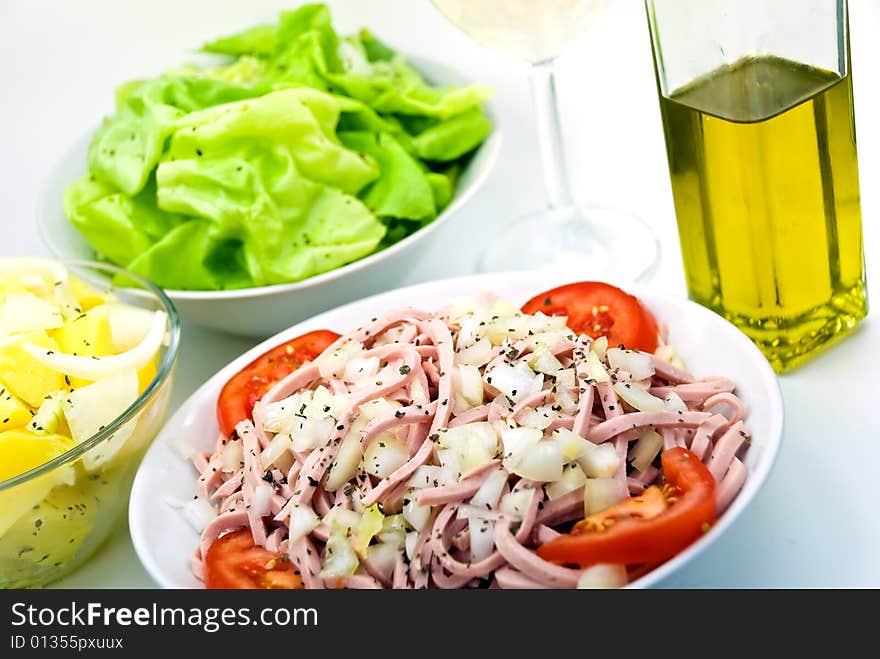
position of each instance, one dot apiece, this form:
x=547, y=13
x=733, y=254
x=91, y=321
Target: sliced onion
x=280, y=416
x=603, y=575
x=431, y=476
x=414, y=514
x=506, y=327
x=566, y=400
x=482, y=533
x=489, y=493
x=642, y=453
x=233, y=456
x=199, y=513
x=564, y=378
x=311, y=433
x=331, y=365
x=572, y=479
x=342, y=520
x=348, y=457
x=25, y=312
x=638, y=398
x=128, y=325
x=539, y=418
x=303, y=521
x=379, y=408
x=370, y=524
x=468, y=381
x=467, y=511
x=51, y=271
x=95, y=368
x=570, y=443
x=393, y=530
x=601, y=493
x=279, y=445
x=262, y=499
x=637, y=364
x=360, y=368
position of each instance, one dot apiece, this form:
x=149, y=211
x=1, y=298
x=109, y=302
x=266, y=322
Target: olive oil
x=762, y=157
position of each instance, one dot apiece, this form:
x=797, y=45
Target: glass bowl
x=53, y=517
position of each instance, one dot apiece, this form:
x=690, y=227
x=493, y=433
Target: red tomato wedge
x=598, y=309
x=647, y=529
x=235, y=562
x=238, y=396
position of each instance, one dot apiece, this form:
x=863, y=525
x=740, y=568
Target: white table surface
x=815, y=522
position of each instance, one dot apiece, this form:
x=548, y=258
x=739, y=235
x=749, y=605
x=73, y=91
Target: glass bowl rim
x=162, y=373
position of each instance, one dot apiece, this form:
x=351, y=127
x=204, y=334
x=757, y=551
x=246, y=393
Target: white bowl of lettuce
x=294, y=172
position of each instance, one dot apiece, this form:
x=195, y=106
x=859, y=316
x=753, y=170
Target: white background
x=814, y=524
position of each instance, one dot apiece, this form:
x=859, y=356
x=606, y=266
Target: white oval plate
x=708, y=344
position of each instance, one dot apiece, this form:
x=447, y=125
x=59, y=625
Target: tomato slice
x=235, y=562
x=598, y=309
x=238, y=396
x=647, y=529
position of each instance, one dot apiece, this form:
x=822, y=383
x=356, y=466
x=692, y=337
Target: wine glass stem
x=543, y=86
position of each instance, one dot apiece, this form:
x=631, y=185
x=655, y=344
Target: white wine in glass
x=588, y=241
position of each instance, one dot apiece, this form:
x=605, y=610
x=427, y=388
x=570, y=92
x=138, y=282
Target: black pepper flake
x=404, y=370
x=313, y=482
x=399, y=414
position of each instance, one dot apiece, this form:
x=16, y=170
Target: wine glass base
x=583, y=242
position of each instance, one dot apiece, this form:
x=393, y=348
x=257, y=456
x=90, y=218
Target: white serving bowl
x=265, y=310
x=707, y=343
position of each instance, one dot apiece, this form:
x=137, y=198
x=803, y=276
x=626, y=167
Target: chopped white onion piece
x=410, y=544
x=601, y=493
x=467, y=380
x=637, y=364
x=642, y=453
x=603, y=575
x=482, y=536
x=342, y=520
x=393, y=530
x=572, y=478
x=309, y=433
x=596, y=369
x=431, y=476
x=467, y=511
x=566, y=400
x=544, y=361
x=570, y=443
x=478, y=354
x=50, y=271
x=506, y=327
x=539, y=418
x=281, y=415
x=414, y=514
x=670, y=355
x=516, y=382
x=384, y=455
x=599, y=461
x=340, y=559
x=360, y=368
x=674, y=403
x=331, y=365
x=279, y=445
x=564, y=378
x=303, y=521
x=262, y=499
x=348, y=457
x=95, y=368
x=599, y=347
x=233, y=456
x=379, y=408
x=515, y=504
x=489, y=493
x=199, y=513
x=517, y=442
x=542, y=462
x=383, y=557
x=638, y=398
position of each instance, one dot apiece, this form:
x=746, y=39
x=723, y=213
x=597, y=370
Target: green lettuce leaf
x=258, y=40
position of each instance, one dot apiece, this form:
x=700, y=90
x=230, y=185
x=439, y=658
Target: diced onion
x=603, y=575
x=542, y=462
x=478, y=354
x=601, y=493
x=637, y=364
x=199, y=513
x=539, y=418
x=674, y=403
x=379, y=408
x=233, y=456
x=331, y=365
x=431, y=476
x=262, y=499
x=599, y=461
x=384, y=455
x=383, y=558
x=468, y=381
x=342, y=520
x=638, y=398
x=360, y=368
x=414, y=514
x=515, y=382
x=482, y=535
x=564, y=378
x=595, y=369
x=348, y=457
x=310, y=433
x=490, y=491
x=393, y=530
x=340, y=559
x=95, y=368
x=572, y=478
x=410, y=543
x=516, y=503
x=277, y=447
x=544, y=361
x=642, y=453
x=303, y=521
x=370, y=524
x=599, y=346
x=517, y=442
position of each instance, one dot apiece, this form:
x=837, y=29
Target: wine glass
x=590, y=240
